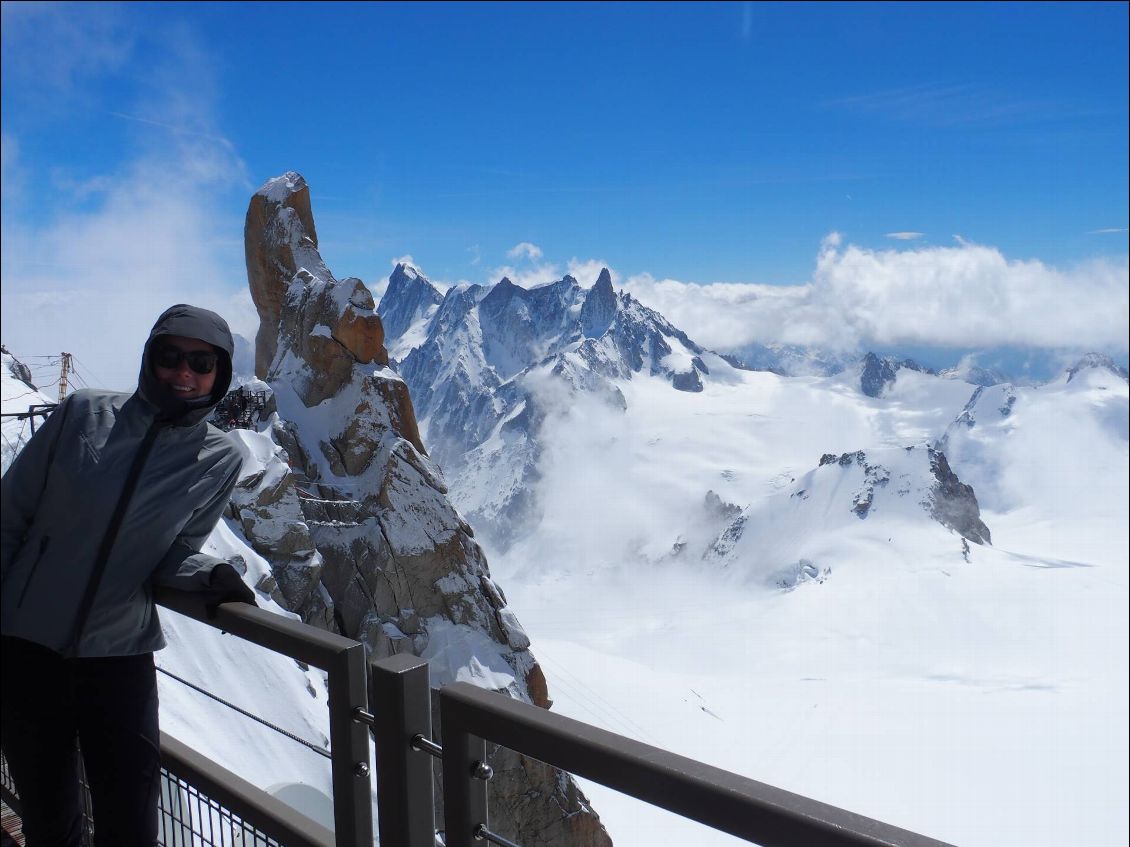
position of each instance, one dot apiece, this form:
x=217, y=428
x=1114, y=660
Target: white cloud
x=905, y=236
x=964, y=296
x=585, y=271
x=406, y=259
x=1111, y=230
x=525, y=249
x=526, y=277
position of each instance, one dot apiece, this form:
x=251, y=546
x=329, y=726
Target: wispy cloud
x=528, y=275
x=180, y=130
x=953, y=104
x=1113, y=230
x=54, y=50
x=154, y=227
x=747, y=21
x=905, y=236
x=524, y=250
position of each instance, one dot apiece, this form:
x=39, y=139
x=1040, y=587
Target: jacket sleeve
x=22, y=487
x=184, y=566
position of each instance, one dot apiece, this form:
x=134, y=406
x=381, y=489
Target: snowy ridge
x=494, y=358
x=798, y=533
x=723, y=584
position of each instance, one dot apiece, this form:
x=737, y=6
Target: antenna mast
x=63, y=376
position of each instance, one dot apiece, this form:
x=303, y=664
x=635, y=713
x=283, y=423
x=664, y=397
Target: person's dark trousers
x=110, y=706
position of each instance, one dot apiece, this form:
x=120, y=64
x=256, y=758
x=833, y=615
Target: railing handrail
x=267, y=629
x=769, y=816
x=344, y=661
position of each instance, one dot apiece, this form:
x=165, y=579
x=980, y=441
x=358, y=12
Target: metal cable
x=248, y=714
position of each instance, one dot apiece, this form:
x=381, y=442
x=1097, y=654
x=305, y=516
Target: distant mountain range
x=486, y=366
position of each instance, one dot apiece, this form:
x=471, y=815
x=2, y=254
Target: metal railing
x=471, y=717
x=344, y=661
x=401, y=719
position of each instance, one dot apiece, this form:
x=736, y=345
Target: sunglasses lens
x=200, y=361
x=166, y=357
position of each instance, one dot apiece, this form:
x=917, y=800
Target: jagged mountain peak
x=479, y=376
x=975, y=375
x=599, y=308
x=405, y=269
x=778, y=540
x=409, y=298
x=1096, y=360
x=877, y=373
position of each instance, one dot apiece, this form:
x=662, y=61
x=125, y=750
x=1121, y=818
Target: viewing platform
x=388, y=701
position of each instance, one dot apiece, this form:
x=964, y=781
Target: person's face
x=181, y=379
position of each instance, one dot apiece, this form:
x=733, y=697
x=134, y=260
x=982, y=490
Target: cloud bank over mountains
x=968, y=295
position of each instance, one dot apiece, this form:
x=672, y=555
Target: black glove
x=225, y=585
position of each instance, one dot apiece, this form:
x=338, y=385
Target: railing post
x=464, y=796
x=400, y=696
x=349, y=745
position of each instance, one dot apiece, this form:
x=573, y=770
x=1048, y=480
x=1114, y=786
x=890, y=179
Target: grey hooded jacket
x=115, y=493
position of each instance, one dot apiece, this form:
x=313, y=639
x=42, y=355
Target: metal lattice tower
x=63, y=374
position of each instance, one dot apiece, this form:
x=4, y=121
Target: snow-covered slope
x=19, y=393
x=762, y=574
x=976, y=693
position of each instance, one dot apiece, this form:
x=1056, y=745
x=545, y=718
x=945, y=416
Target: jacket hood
x=189, y=322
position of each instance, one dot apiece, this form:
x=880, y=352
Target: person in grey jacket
x=114, y=494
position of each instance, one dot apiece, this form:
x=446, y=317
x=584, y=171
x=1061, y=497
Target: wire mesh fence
x=187, y=817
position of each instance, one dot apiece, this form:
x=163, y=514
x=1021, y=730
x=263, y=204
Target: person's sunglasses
x=169, y=357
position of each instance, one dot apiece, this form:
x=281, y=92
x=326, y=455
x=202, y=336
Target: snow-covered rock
x=790, y=537
x=409, y=301
x=354, y=517
x=878, y=373
x=493, y=361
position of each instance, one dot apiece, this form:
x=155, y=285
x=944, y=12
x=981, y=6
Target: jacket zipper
x=111, y=535
x=31, y=576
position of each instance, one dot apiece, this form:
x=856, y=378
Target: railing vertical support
x=349, y=745
x=464, y=796
x=400, y=696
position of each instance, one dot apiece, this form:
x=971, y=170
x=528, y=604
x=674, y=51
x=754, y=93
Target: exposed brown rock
x=271, y=262
x=324, y=324
x=355, y=519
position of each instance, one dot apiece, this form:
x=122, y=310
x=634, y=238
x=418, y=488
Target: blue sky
x=693, y=144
